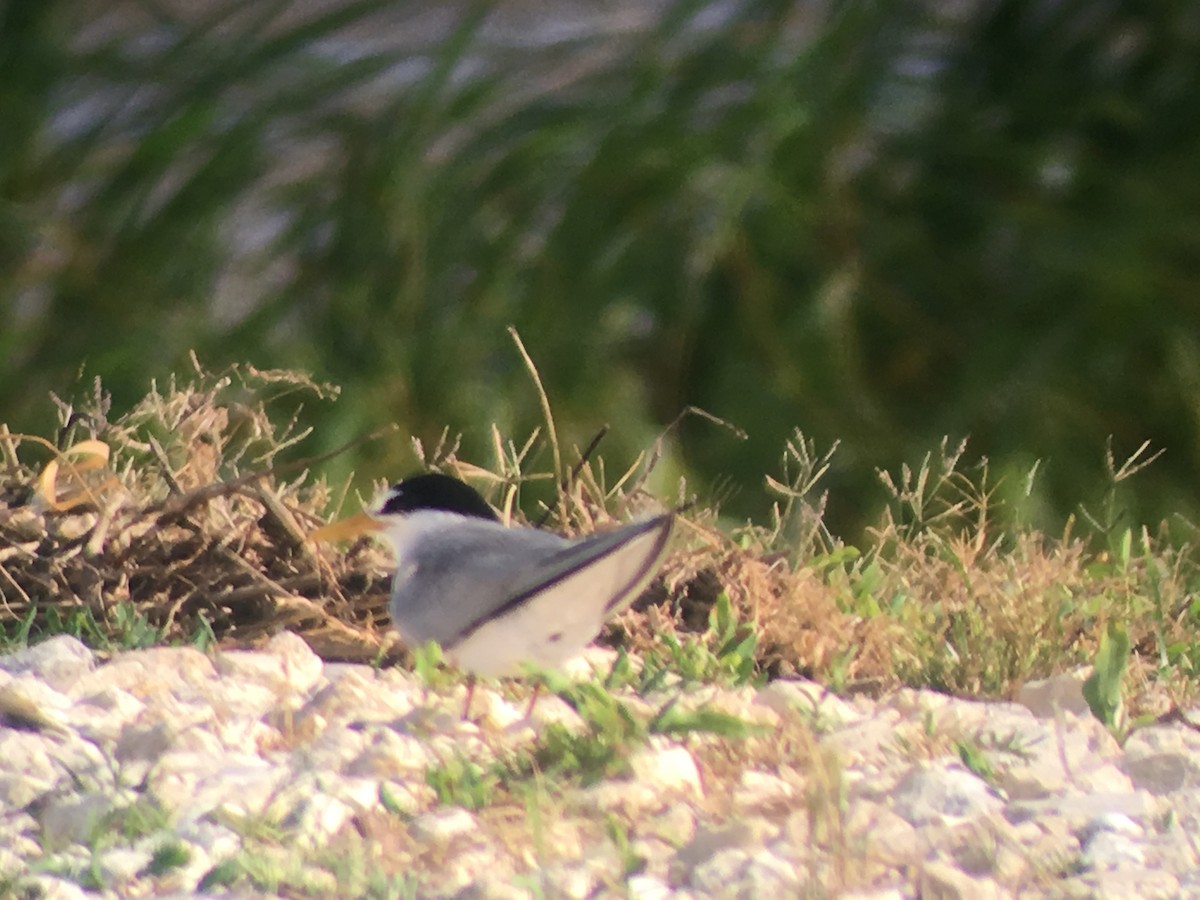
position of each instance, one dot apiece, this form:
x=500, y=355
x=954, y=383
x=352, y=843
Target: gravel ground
x=256, y=773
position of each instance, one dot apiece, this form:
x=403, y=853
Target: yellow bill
x=345, y=529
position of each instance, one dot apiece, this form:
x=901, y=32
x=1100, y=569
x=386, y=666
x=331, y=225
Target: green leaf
x=673, y=720
x=1102, y=689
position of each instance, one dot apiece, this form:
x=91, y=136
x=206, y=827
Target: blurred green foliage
x=879, y=222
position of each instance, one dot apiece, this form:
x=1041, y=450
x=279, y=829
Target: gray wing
x=462, y=574
x=553, y=610
x=561, y=591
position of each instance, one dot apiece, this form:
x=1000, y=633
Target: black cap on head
x=435, y=491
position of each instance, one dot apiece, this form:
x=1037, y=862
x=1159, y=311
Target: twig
x=577, y=468
x=176, y=507
x=258, y=591
x=9, y=448
x=100, y=530
x=546, y=412
x=273, y=587
x=20, y=590
x=165, y=464
x=282, y=517
x=656, y=450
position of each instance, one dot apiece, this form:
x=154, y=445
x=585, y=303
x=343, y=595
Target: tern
x=497, y=598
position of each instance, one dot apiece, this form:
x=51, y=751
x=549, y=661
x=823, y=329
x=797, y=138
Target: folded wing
x=552, y=611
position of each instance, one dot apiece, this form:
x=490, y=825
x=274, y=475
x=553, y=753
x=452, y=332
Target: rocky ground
x=168, y=772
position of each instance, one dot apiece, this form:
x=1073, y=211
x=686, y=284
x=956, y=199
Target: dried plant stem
x=547, y=414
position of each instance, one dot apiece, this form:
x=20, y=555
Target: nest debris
x=174, y=523
x=177, y=512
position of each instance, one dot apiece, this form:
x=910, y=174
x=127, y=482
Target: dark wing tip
x=626, y=594
x=665, y=524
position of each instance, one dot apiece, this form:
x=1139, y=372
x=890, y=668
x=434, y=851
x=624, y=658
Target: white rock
x=628, y=798
x=360, y=794
x=676, y=824
x=942, y=882
x=718, y=872
x=120, y=865
x=1052, y=758
x=1144, y=884
x=662, y=774
x=195, y=785
x=553, y=710
x=286, y=666
x=494, y=887
x=216, y=842
x=50, y=888
x=871, y=739
x=144, y=744
x=1047, y=697
x=1106, y=778
x=943, y=794
x=1081, y=806
x=192, y=712
x=787, y=697
x=246, y=731
x=302, y=668
x=18, y=789
x=387, y=754
x=32, y=764
x=1163, y=773
x=1111, y=850
x=317, y=819
x=27, y=703
x=918, y=704
x=489, y=707
x=763, y=792
x=888, y=836
x=153, y=672
x=647, y=887
x=473, y=863
x=104, y=715
x=59, y=661
x=234, y=741
x=768, y=875
x=711, y=840
x=74, y=819
x=1113, y=822
x=334, y=671
x=357, y=696
x=669, y=769
x=653, y=850
x=592, y=660
x=570, y=882
x=18, y=846
x=444, y=825
x=1168, y=738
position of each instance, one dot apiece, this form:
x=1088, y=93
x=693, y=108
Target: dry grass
x=187, y=523
x=194, y=524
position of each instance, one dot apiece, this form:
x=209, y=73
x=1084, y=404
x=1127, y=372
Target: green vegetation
x=565, y=756
x=724, y=654
x=613, y=731
x=945, y=591
x=170, y=855
x=462, y=782
x=1102, y=690
x=882, y=224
